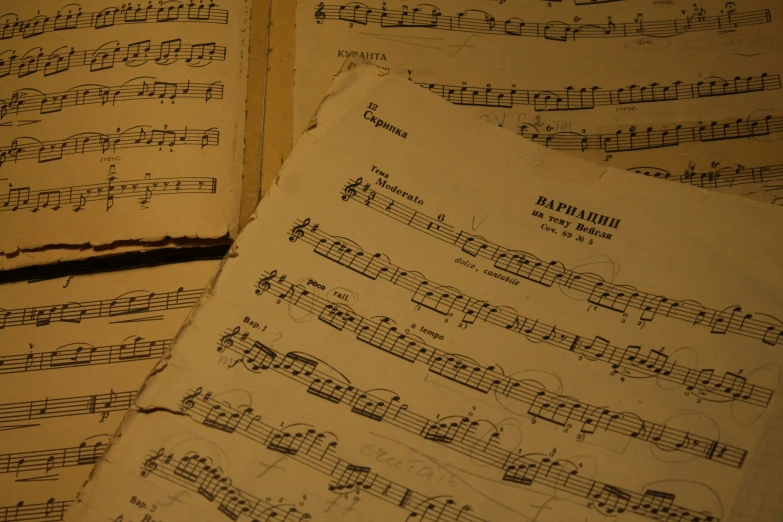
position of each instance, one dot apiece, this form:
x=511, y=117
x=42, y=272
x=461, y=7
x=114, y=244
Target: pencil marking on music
x=85, y=454
x=318, y=451
x=455, y=432
x=108, y=55
x=131, y=303
x=77, y=197
x=584, y=98
x=102, y=404
x=723, y=177
x=559, y=410
x=198, y=473
x=603, y=294
x=140, y=136
x=144, y=88
x=74, y=18
x=50, y=511
x=645, y=138
x=477, y=21
x=77, y=355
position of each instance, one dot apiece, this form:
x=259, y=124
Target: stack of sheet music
x=427, y=317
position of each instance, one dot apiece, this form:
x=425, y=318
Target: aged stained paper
x=256, y=100
x=121, y=122
x=278, y=111
x=429, y=319
x=678, y=90
x=75, y=350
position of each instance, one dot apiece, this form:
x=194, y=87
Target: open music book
x=122, y=126
x=429, y=319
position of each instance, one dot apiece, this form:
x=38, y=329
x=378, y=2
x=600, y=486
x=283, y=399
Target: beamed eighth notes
x=76, y=197
x=477, y=21
x=138, y=89
x=140, y=136
x=200, y=475
x=318, y=451
x=543, y=405
x=108, y=55
x=601, y=293
x=72, y=17
x=573, y=98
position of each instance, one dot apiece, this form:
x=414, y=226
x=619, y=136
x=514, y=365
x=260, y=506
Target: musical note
x=480, y=22
x=49, y=511
x=573, y=98
x=83, y=354
x=13, y=27
x=639, y=138
x=140, y=136
x=432, y=296
x=528, y=266
x=79, y=195
x=729, y=176
x=86, y=454
x=102, y=403
x=28, y=100
x=78, y=312
x=543, y=405
x=197, y=473
x=348, y=476
x=107, y=56
x=344, y=474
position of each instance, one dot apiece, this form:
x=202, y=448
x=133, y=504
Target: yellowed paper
x=74, y=352
x=676, y=90
x=430, y=319
x=279, y=110
x=121, y=122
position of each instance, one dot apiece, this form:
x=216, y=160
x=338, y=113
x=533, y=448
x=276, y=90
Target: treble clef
x=350, y=190
x=298, y=231
x=227, y=340
x=187, y=400
x=319, y=13
x=263, y=283
x=150, y=465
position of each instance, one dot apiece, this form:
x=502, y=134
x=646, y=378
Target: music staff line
x=77, y=355
x=314, y=450
x=102, y=403
x=23, y=198
x=549, y=407
x=138, y=89
x=50, y=511
x=455, y=432
x=631, y=361
x=300, y=446
x=140, y=136
x=85, y=454
x=719, y=178
x=603, y=294
x=481, y=22
x=122, y=306
x=198, y=474
x=633, y=138
x=108, y=55
x=13, y=27
x=572, y=98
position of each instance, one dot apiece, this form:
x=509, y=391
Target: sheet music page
x=430, y=319
x=118, y=120
x=678, y=90
x=74, y=353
